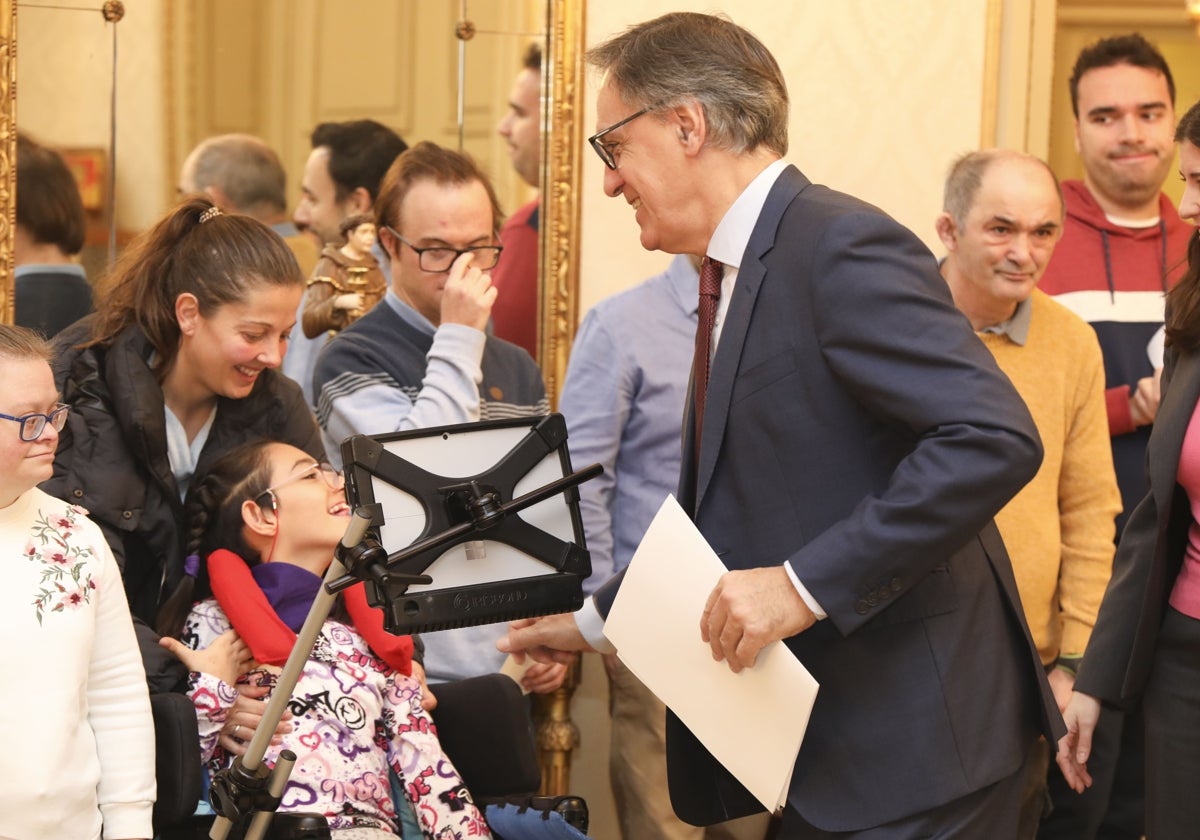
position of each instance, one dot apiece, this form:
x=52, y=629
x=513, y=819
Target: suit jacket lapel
x=723, y=372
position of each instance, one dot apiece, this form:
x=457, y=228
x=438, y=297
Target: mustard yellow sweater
x=1059, y=529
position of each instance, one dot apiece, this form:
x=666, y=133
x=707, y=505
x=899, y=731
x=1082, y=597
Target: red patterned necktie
x=710, y=295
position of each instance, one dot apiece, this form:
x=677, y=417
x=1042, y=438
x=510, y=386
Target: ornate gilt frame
x=8, y=153
x=562, y=145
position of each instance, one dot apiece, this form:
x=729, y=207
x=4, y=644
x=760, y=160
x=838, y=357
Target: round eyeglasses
x=32, y=425
x=439, y=259
x=331, y=476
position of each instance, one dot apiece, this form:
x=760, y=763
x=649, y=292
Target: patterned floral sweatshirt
x=75, y=721
x=353, y=716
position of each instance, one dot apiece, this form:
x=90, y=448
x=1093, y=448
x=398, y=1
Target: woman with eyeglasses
x=265, y=521
x=75, y=720
x=177, y=366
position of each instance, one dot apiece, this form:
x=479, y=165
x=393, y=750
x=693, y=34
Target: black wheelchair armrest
x=485, y=727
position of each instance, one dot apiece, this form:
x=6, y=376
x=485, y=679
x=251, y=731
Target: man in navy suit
x=855, y=443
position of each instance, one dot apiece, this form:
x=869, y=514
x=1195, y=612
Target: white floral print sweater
x=75, y=723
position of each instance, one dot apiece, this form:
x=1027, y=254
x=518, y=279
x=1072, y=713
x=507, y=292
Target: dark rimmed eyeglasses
x=331, y=476
x=33, y=424
x=439, y=259
x=605, y=149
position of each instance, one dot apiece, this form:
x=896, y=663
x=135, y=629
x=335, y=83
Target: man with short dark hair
x=343, y=173
x=1123, y=246
x=1002, y=218
x=341, y=179
x=848, y=444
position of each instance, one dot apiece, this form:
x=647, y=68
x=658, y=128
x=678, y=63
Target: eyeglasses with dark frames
x=439, y=259
x=332, y=477
x=604, y=149
x=33, y=424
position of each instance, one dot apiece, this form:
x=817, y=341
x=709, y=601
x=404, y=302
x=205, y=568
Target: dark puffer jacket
x=112, y=456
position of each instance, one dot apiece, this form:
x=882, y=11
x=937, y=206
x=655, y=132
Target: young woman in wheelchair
x=264, y=522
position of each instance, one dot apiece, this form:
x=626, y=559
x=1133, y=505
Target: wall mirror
x=275, y=68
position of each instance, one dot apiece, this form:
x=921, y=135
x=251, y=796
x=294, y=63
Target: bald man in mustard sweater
x=1002, y=217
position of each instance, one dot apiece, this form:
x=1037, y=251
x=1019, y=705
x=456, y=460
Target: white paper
x=752, y=722
x=515, y=670
x=1156, y=347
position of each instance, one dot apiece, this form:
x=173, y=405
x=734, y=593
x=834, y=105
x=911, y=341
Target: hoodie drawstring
x=1162, y=263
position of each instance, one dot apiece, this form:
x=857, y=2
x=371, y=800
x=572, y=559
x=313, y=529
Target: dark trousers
x=1172, y=709
x=991, y=813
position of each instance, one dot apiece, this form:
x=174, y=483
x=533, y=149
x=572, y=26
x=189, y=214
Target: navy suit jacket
x=856, y=428
x=1120, y=652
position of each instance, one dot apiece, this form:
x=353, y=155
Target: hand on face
x=468, y=295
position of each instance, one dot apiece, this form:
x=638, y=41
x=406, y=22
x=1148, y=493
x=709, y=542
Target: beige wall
x=884, y=95
x=65, y=80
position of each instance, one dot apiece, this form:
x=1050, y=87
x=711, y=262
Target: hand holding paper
x=749, y=609
x=653, y=625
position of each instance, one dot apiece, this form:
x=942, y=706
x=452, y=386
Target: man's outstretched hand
x=549, y=639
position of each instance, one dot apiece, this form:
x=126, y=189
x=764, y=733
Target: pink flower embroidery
x=66, y=574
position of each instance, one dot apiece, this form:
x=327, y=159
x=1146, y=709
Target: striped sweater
x=391, y=370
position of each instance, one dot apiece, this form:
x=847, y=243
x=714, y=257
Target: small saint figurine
x=346, y=282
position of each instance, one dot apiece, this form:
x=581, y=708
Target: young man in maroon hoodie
x=1123, y=246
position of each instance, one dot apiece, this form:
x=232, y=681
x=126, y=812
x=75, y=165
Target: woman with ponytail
x=176, y=367
x=265, y=520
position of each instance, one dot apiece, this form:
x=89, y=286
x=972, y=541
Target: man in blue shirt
x=623, y=400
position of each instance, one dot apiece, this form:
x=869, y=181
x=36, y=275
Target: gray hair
x=685, y=56
x=966, y=175
x=246, y=169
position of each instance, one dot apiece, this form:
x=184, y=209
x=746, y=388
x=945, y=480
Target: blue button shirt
x=623, y=399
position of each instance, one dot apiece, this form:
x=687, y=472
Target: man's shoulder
x=380, y=333
x=377, y=348
x=639, y=303
x=1052, y=318
x=817, y=211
